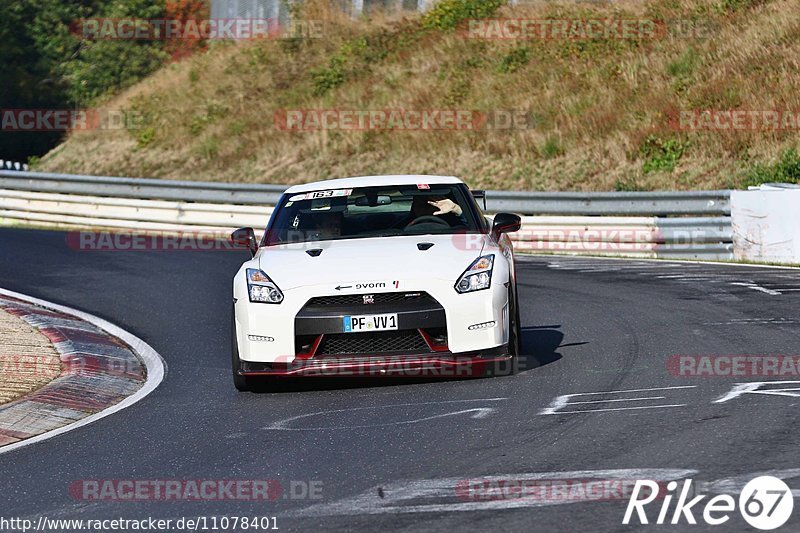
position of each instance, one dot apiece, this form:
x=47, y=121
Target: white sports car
x=373, y=276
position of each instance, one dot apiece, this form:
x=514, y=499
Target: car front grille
x=379, y=298
x=377, y=343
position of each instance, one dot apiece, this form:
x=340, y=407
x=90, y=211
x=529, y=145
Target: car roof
x=373, y=181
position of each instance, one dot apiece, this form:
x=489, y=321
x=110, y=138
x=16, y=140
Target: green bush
x=344, y=61
x=105, y=67
x=448, y=14
x=661, y=155
x=684, y=65
x=329, y=77
x=145, y=136
x=89, y=69
x=785, y=170
x=514, y=60
x=552, y=148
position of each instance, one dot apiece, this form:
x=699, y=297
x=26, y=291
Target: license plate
x=357, y=324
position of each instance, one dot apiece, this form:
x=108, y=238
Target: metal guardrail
x=612, y=203
x=143, y=189
x=582, y=223
x=527, y=203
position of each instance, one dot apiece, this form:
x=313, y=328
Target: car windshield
x=383, y=211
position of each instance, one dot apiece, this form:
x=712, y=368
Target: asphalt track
x=393, y=453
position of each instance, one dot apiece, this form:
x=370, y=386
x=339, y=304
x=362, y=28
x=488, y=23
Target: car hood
x=385, y=259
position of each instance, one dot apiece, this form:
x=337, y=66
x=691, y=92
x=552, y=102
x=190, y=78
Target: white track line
x=443, y=495
x=155, y=364
x=635, y=390
x=622, y=400
x=617, y=409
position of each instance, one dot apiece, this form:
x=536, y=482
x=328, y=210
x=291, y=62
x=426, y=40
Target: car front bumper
x=267, y=333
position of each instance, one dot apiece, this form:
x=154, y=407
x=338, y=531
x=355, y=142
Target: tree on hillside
x=47, y=65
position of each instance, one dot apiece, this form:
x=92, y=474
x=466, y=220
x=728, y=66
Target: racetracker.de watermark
x=35, y=366
x=736, y=120
x=547, y=490
x=138, y=29
x=194, y=490
x=396, y=366
x=635, y=29
x=180, y=241
x=26, y=366
x=43, y=120
x=573, y=238
x=132, y=241
x=734, y=366
x=551, y=238
x=589, y=238
x=402, y=120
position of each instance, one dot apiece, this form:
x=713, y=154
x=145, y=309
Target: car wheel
x=513, y=329
x=239, y=381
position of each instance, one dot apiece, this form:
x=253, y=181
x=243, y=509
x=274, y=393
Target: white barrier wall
x=766, y=225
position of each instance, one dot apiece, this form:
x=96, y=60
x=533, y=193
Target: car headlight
x=262, y=289
x=478, y=276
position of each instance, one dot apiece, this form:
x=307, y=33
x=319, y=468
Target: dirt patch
x=28, y=359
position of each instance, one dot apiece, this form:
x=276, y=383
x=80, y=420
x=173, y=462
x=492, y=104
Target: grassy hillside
x=599, y=109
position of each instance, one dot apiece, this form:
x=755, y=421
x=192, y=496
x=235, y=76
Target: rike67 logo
x=765, y=503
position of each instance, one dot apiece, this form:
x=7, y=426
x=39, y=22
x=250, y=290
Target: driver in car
x=439, y=206
x=327, y=225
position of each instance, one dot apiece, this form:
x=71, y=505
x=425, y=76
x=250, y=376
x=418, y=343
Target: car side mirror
x=506, y=223
x=245, y=238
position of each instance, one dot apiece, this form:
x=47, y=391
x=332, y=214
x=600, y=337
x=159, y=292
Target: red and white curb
x=106, y=370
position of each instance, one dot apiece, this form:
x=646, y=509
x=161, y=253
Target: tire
x=239, y=381
x=513, y=329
